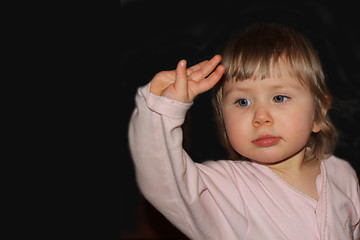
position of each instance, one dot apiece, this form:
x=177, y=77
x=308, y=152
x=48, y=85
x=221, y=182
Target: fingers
x=209, y=82
x=196, y=67
x=206, y=68
x=216, y=76
x=197, y=79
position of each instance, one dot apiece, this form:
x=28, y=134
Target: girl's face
x=269, y=120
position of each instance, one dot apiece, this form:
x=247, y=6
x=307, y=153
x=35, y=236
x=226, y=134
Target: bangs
x=257, y=52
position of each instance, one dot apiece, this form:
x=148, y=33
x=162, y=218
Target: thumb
x=181, y=81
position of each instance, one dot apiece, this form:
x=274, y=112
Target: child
x=282, y=181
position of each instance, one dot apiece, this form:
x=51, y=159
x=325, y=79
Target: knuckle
x=160, y=74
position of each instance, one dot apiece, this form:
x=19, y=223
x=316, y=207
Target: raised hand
x=183, y=84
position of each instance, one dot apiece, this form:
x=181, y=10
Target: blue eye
x=243, y=102
x=280, y=98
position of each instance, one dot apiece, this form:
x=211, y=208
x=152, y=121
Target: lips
x=266, y=141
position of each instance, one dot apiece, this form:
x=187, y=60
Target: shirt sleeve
x=166, y=175
x=356, y=199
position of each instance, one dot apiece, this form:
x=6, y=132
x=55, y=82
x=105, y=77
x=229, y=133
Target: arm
x=166, y=175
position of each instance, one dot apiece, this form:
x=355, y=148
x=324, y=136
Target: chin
x=269, y=157
x=267, y=161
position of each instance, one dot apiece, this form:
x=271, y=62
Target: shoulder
x=343, y=187
x=337, y=164
x=340, y=170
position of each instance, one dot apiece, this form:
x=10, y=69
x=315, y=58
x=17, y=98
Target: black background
x=157, y=34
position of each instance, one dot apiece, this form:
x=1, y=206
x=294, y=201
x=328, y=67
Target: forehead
x=281, y=76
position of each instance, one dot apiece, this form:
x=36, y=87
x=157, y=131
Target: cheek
x=297, y=126
x=237, y=129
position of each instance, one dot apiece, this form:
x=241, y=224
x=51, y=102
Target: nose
x=262, y=117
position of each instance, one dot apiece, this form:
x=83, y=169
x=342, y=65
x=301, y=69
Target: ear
x=318, y=121
x=316, y=128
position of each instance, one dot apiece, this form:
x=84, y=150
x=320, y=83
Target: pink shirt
x=233, y=199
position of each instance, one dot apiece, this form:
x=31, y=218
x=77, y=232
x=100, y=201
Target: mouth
x=266, y=141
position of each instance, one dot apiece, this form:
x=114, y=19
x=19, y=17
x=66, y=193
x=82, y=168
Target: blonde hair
x=253, y=54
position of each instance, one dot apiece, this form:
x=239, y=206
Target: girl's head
x=272, y=101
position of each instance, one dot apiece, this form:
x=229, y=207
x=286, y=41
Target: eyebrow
x=237, y=89
x=275, y=87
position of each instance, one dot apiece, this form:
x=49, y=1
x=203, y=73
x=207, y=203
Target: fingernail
x=183, y=63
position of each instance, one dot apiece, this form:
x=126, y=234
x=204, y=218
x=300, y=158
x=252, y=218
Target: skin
x=184, y=84
x=278, y=106
x=290, y=118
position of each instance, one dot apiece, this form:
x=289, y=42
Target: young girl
x=282, y=181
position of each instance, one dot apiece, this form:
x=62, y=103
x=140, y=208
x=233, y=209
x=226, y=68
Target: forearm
x=155, y=137
x=166, y=175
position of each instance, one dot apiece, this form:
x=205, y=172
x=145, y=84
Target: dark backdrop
x=156, y=34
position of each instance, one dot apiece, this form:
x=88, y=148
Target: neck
x=293, y=164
